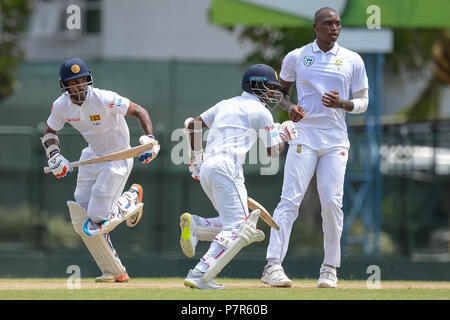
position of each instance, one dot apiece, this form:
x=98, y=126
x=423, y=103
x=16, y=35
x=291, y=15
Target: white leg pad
x=246, y=235
x=207, y=233
x=99, y=246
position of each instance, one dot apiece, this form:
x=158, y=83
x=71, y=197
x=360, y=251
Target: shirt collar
x=333, y=50
x=248, y=95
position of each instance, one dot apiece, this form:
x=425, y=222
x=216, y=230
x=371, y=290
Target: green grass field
x=235, y=289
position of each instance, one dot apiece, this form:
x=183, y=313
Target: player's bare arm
x=357, y=105
x=296, y=113
x=193, y=133
x=51, y=141
x=57, y=163
x=194, y=126
x=142, y=116
x=145, y=122
x=331, y=100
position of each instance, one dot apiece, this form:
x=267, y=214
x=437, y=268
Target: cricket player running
x=99, y=203
x=234, y=126
x=324, y=73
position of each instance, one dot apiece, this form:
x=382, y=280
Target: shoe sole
x=122, y=279
x=282, y=285
x=326, y=285
x=194, y=286
x=185, y=239
x=190, y=285
x=134, y=220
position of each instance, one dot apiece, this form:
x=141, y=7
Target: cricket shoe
x=126, y=208
x=134, y=219
x=188, y=239
x=328, y=278
x=107, y=278
x=274, y=275
x=194, y=280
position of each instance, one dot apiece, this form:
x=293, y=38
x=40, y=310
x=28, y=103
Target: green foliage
x=36, y=230
x=412, y=51
x=13, y=20
x=273, y=43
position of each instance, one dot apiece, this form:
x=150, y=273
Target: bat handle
x=71, y=166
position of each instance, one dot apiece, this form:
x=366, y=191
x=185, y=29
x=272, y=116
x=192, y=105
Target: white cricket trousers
x=222, y=180
x=326, y=154
x=99, y=185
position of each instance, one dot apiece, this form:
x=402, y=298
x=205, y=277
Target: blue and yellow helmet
x=74, y=68
x=256, y=79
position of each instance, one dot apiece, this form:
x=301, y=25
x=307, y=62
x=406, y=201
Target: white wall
x=135, y=29
x=170, y=29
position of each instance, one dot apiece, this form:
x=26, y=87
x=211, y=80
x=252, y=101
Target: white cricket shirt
x=235, y=125
x=100, y=119
x=316, y=72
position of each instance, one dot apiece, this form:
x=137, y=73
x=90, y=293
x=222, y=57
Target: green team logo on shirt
x=308, y=60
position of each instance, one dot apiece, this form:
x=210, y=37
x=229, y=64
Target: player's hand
x=150, y=154
x=287, y=131
x=331, y=99
x=296, y=113
x=195, y=164
x=59, y=165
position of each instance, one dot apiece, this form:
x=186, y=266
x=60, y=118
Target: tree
x=413, y=49
x=13, y=20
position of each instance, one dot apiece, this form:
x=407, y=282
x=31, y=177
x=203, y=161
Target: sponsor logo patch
x=299, y=148
x=114, y=103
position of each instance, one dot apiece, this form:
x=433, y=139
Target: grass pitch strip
x=235, y=289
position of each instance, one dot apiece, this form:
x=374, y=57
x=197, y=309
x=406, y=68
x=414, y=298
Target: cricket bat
x=253, y=205
x=114, y=156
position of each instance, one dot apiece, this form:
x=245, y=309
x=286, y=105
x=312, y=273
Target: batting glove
x=287, y=131
x=59, y=165
x=195, y=164
x=150, y=154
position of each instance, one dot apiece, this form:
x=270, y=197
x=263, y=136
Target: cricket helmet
x=71, y=69
x=255, y=81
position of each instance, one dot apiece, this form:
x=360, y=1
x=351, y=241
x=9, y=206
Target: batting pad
x=207, y=233
x=246, y=235
x=99, y=246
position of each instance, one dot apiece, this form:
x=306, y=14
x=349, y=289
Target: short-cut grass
x=235, y=289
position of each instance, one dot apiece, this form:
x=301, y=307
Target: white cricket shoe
x=328, y=278
x=274, y=275
x=194, y=280
x=188, y=239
